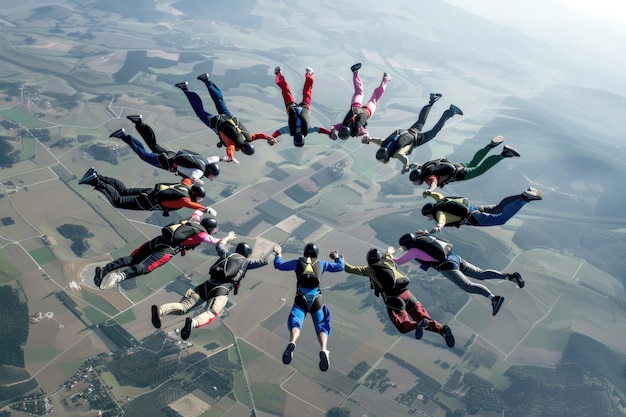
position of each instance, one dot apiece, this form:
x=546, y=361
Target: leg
x=461, y=281
x=417, y=311
x=294, y=324
x=307, y=91
x=218, y=98
x=442, y=121
x=285, y=90
x=376, y=95
x=473, y=171
x=189, y=301
x=198, y=108
x=481, y=274
x=215, y=307
x=149, y=137
x=150, y=157
x=321, y=321
x=501, y=213
x=421, y=120
x=357, y=97
x=149, y=264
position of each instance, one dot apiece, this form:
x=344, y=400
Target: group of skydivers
x=404, y=310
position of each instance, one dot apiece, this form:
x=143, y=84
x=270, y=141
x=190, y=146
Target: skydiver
x=231, y=132
x=185, y=163
x=355, y=121
x=404, y=310
x=308, y=299
x=457, y=211
x=225, y=276
x=440, y=172
x=401, y=142
x=436, y=253
x=158, y=251
x=298, y=114
x=164, y=196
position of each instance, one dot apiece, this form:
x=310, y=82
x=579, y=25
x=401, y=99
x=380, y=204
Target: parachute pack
x=308, y=272
x=189, y=159
x=388, y=279
x=169, y=192
x=438, y=249
x=225, y=269
x=177, y=232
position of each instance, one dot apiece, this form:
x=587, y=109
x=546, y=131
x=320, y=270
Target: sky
x=608, y=9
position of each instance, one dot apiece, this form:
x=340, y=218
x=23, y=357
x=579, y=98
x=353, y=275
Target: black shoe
x=516, y=277
x=419, y=330
x=90, y=177
x=508, y=152
x=186, y=331
x=203, y=77
x=446, y=332
x=456, y=110
x=97, y=277
x=434, y=97
x=356, y=67
x=496, y=303
x=277, y=70
x=324, y=360
x=182, y=86
x=119, y=133
x=135, y=118
x=288, y=353
x=156, y=320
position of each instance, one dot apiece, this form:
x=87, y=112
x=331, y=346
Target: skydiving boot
x=419, y=330
x=203, y=77
x=135, y=118
x=434, y=97
x=496, y=303
x=356, y=67
x=446, y=332
x=119, y=133
x=509, y=152
x=90, y=177
x=182, y=86
x=496, y=141
x=456, y=110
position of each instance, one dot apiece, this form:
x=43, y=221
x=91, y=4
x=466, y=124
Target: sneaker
x=446, y=332
x=386, y=77
x=508, y=152
x=203, y=77
x=496, y=303
x=308, y=70
x=356, y=67
x=277, y=70
x=516, y=277
x=324, y=360
x=288, y=353
x=434, y=97
x=97, y=277
x=419, y=330
x=90, y=177
x=456, y=110
x=119, y=133
x=112, y=279
x=135, y=118
x=186, y=331
x=182, y=86
x=156, y=318
x=531, y=194
x=496, y=141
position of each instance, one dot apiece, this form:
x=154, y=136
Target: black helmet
x=298, y=140
x=382, y=154
x=247, y=148
x=196, y=191
x=428, y=209
x=209, y=223
x=416, y=175
x=243, y=249
x=344, y=133
x=211, y=170
x=373, y=256
x=311, y=250
x=406, y=240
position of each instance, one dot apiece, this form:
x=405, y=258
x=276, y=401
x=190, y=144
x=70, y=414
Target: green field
x=43, y=255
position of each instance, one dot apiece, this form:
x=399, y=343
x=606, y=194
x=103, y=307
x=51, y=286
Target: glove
x=211, y=211
x=333, y=134
x=436, y=229
x=426, y=193
x=365, y=140
x=334, y=255
x=272, y=141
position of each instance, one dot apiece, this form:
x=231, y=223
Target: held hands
x=365, y=139
x=334, y=255
x=390, y=250
x=227, y=159
x=231, y=235
x=436, y=229
x=234, y=161
x=426, y=193
x=333, y=134
x=211, y=211
x=272, y=141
